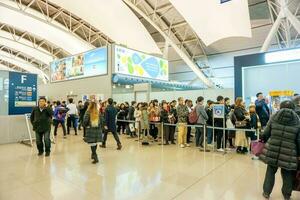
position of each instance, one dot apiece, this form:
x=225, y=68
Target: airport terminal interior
x=149, y=99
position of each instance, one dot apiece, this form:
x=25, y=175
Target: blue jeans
x=43, y=137
x=209, y=132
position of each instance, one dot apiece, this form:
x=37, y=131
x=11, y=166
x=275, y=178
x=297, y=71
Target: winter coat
x=110, y=118
x=202, y=115
x=41, y=120
x=164, y=116
x=130, y=115
x=182, y=113
x=122, y=114
x=144, y=120
x=93, y=134
x=209, y=113
x=240, y=115
x=282, y=137
x=60, y=113
x=262, y=111
x=297, y=110
x=173, y=113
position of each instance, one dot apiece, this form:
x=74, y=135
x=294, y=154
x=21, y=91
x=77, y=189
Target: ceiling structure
x=62, y=28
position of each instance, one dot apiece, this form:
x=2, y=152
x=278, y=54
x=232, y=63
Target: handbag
x=257, y=147
x=241, y=124
x=296, y=186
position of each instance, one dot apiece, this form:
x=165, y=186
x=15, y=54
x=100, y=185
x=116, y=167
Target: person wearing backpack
x=59, y=118
x=202, y=117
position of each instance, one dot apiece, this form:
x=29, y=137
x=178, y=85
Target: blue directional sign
x=22, y=93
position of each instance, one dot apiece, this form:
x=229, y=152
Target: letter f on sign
x=23, y=78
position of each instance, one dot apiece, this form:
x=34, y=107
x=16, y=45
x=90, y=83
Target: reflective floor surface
x=136, y=173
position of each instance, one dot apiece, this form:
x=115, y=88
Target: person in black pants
x=282, y=149
x=40, y=119
x=72, y=116
x=219, y=122
x=110, y=124
x=121, y=116
x=173, y=120
x=164, y=118
x=59, y=118
x=189, y=104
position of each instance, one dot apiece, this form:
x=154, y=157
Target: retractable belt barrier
x=195, y=126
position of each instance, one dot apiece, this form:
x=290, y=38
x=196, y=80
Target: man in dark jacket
x=262, y=109
x=41, y=121
x=282, y=149
x=110, y=124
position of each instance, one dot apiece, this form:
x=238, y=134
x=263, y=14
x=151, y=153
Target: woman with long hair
x=92, y=121
x=242, y=118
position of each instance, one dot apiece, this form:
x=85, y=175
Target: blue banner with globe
x=134, y=63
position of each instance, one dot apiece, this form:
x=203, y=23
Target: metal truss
x=179, y=32
x=29, y=59
x=74, y=24
x=36, y=42
x=12, y=66
x=286, y=24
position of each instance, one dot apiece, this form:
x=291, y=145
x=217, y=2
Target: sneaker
x=47, y=154
x=266, y=196
x=103, y=146
x=40, y=153
x=220, y=150
x=287, y=198
x=187, y=145
x=65, y=137
x=182, y=145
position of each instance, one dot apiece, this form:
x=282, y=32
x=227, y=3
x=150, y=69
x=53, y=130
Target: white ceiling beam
x=183, y=56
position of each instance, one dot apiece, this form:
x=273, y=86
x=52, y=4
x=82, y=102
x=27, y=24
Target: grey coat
x=283, y=140
x=202, y=115
x=93, y=134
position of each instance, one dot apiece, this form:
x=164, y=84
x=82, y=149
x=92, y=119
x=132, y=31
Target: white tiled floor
x=137, y=172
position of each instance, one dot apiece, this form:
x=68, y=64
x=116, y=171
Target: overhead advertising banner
x=22, y=93
x=91, y=63
x=135, y=63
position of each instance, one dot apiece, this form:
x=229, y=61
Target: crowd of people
x=280, y=132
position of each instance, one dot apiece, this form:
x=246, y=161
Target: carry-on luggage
x=257, y=147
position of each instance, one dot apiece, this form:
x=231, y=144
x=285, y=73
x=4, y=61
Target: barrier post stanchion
x=162, y=133
x=204, y=139
x=224, y=136
x=28, y=129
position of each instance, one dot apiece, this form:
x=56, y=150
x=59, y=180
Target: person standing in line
x=92, y=121
x=145, y=124
x=72, y=116
x=110, y=124
x=164, y=117
x=173, y=120
x=182, y=113
x=79, y=108
x=41, y=117
x=282, y=149
x=138, y=118
x=189, y=105
x=130, y=117
x=121, y=116
x=219, y=122
x=227, y=120
x=59, y=118
x=262, y=109
x=209, y=122
x=242, y=122
x=202, y=118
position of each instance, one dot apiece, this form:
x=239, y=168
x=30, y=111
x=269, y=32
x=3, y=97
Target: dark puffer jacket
x=283, y=140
